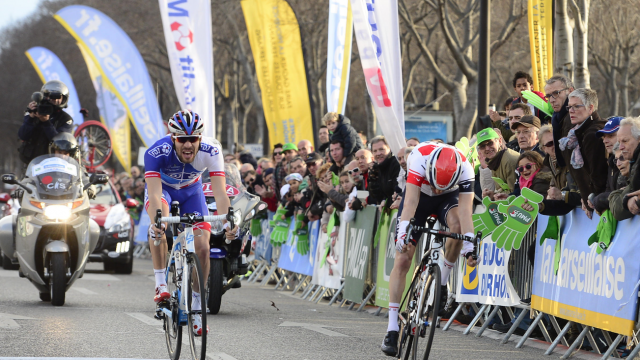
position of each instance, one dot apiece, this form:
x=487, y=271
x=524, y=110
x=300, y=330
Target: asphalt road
x=111, y=316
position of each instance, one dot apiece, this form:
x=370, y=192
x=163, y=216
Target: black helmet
x=64, y=142
x=55, y=88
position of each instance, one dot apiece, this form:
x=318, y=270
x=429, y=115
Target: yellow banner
x=541, y=39
x=112, y=112
x=277, y=51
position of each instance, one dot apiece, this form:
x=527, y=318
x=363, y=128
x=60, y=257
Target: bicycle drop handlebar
x=187, y=218
x=444, y=234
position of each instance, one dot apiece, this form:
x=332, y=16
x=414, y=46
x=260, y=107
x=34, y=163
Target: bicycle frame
x=182, y=245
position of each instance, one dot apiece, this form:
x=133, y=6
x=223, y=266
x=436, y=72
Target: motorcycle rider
x=173, y=168
x=65, y=145
x=38, y=130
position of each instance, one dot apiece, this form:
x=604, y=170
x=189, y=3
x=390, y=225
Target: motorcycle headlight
x=57, y=212
x=237, y=217
x=122, y=225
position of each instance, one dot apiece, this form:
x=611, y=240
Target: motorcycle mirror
x=262, y=206
x=99, y=178
x=9, y=179
x=4, y=197
x=131, y=203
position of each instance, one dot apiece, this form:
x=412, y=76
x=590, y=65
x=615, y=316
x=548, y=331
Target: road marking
x=7, y=321
x=145, y=319
x=84, y=291
x=99, y=277
x=68, y=358
x=220, y=356
x=315, y=327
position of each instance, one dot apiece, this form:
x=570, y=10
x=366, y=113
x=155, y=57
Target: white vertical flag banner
x=378, y=38
x=339, y=54
x=187, y=31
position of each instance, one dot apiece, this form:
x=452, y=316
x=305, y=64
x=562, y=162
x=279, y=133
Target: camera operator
x=44, y=120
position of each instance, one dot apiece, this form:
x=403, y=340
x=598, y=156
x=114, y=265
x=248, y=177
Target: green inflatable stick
x=538, y=102
x=604, y=232
x=280, y=230
x=489, y=220
x=503, y=185
x=509, y=234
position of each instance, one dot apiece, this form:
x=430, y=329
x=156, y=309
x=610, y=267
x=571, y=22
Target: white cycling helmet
x=186, y=122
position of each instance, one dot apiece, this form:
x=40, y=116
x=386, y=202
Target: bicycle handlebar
x=188, y=219
x=441, y=233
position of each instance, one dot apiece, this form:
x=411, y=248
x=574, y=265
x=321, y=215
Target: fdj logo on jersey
x=160, y=150
x=520, y=215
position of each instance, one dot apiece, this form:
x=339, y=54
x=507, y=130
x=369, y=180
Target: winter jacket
x=617, y=199
x=322, y=148
x=338, y=199
x=503, y=166
x=36, y=135
x=601, y=201
x=559, y=173
x=542, y=181
x=592, y=177
x=544, y=118
x=348, y=136
x=383, y=180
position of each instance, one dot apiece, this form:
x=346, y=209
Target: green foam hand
x=503, y=185
x=510, y=233
x=538, y=102
x=256, y=227
x=489, y=220
x=604, y=232
x=280, y=230
x=302, y=235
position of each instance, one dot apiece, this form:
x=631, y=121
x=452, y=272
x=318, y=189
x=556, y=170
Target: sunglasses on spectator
x=485, y=144
x=528, y=167
x=184, y=139
x=574, y=107
x=554, y=94
x=549, y=144
x=354, y=171
x=620, y=159
x=250, y=181
x=277, y=153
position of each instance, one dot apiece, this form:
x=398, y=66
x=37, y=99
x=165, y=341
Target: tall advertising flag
x=187, y=31
x=112, y=111
x=339, y=54
x=376, y=27
x=541, y=40
x=49, y=67
x=119, y=63
x=274, y=36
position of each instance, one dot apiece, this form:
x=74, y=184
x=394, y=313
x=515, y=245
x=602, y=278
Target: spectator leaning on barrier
x=545, y=143
x=364, y=157
x=342, y=131
x=526, y=130
x=581, y=149
x=383, y=172
x=624, y=167
x=609, y=136
x=533, y=175
x=626, y=203
x=500, y=160
x=353, y=169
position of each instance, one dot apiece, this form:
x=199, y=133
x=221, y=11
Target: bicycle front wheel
x=428, y=308
x=197, y=283
x=406, y=324
x=172, y=328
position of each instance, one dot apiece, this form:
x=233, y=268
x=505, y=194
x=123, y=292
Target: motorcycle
x=52, y=236
x=228, y=259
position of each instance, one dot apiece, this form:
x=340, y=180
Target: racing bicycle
x=423, y=297
x=184, y=275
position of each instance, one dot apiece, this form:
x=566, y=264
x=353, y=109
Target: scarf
x=570, y=142
x=524, y=183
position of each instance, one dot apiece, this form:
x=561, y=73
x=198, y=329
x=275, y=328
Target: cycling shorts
x=439, y=205
x=191, y=199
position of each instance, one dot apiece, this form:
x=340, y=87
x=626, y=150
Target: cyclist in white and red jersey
x=173, y=169
x=439, y=181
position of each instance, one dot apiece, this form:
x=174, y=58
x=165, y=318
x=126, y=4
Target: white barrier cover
x=328, y=270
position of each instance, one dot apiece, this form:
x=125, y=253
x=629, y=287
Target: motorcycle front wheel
x=57, y=278
x=215, y=285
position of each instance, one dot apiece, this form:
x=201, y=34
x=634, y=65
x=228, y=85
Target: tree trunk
x=625, y=82
x=563, y=41
x=581, y=16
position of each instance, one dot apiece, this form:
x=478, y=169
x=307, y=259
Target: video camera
x=43, y=105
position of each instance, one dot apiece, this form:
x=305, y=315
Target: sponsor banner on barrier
x=593, y=289
x=386, y=259
x=359, y=242
x=187, y=31
x=329, y=259
x=49, y=67
x=290, y=258
x=264, y=249
x=489, y=282
x=120, y=63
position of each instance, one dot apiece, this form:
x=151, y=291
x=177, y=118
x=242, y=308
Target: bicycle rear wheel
x=427, y=311
x=406, y=339
x=172, y=328
x=198, y=283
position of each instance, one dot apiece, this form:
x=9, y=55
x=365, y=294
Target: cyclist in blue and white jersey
x=173, y=169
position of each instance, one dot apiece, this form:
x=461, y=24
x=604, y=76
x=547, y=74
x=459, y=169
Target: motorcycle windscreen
x=55, y=176
x=232, y=179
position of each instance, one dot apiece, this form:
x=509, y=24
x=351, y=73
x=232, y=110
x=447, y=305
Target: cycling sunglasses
x=528, y=167
x=184, y=139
